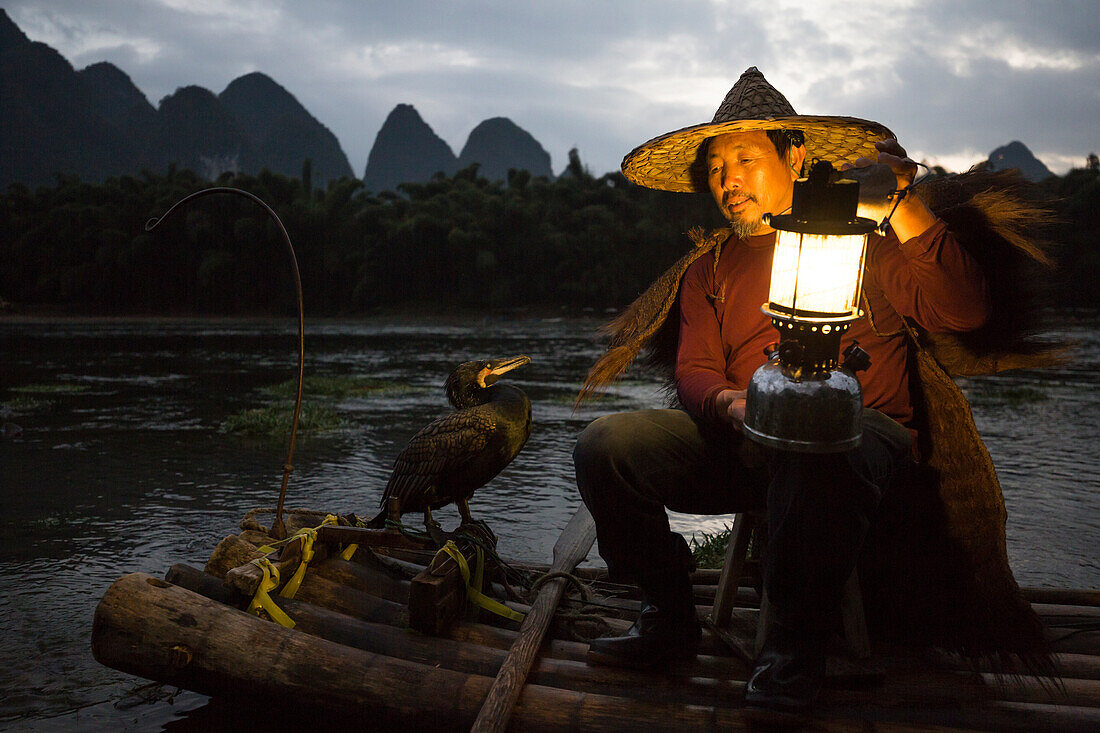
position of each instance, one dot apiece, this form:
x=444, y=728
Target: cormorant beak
x=496, y=368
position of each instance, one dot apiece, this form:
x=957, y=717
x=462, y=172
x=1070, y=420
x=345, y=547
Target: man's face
x=747, y=178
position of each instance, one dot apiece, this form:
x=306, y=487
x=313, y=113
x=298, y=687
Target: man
x=631, y=466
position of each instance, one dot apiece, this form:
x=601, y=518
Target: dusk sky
x=954, y=79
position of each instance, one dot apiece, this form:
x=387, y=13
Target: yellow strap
x=309, y=536
x=292, y=585
x=479, y=568
x=348, y=552
x=452, y=549
x=262, y=601
x=268, y=549
x=476, y=596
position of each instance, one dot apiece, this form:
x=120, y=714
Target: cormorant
x=453, y=456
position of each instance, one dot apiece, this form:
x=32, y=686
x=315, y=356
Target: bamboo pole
x=1071, y=638
x=716, y=685
x=477, y=634
x=1060, y=595
x=332, y=534
x=1078, y=666
x=709, y=677
x=363, y=578
x=701, y=576
x=236, y=551
x=328, y=594
x=418, y=557
x=1074, y=641
x=1052, y=613
x=400, y=568
x=205, y=584
x=149, y=627
x=706, y=580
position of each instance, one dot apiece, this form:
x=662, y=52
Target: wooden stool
x=745, y=526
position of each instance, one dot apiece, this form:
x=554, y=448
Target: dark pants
x=631, y=466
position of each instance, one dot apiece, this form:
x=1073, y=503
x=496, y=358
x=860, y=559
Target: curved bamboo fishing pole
x=278, y=529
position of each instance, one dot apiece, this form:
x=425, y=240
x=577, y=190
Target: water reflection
x=124, y=469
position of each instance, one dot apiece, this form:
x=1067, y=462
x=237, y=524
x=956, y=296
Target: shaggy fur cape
x=934, y=568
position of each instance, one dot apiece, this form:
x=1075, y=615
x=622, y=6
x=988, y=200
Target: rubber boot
x=789, y=670
x=667, y=630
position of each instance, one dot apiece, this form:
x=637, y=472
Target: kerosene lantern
x=803, y=398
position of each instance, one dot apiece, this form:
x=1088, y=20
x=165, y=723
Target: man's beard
x=743, y=225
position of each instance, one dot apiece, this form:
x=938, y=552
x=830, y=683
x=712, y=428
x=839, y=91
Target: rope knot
x=586, y=593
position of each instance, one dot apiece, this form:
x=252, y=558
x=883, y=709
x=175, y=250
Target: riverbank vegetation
x=336, y=387
x=456, y=242
x=274, y=421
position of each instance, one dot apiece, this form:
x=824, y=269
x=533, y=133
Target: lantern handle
x=766, y=217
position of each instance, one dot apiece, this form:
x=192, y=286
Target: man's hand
x=730, y=405
x=892, y=155
x=912, y=217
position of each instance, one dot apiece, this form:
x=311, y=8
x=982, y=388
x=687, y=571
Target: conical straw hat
x=666, y=162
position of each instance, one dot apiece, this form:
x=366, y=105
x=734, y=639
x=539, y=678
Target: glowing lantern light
x=817, y=277
x=801, y=400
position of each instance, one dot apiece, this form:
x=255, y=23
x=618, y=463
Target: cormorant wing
x=441, y=448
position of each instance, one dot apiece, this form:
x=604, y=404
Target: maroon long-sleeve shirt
x=723, y=332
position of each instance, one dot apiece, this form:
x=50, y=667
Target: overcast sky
x=953, y=78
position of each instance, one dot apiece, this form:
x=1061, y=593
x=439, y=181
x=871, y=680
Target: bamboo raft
x=384, y=629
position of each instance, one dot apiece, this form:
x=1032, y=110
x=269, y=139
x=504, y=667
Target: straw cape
x=669, y=162
x=935, y=567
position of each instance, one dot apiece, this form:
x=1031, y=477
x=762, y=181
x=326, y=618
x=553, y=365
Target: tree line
x=456, y=241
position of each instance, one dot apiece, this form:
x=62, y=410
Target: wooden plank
x=1070, y=640
x=572, y=547
x=148, y=627
x=398, y=568
x=1079, y=686
x=1069, y=597
x=1052, y=613
x=736, y=550
x=337, y=535
x=437, y=596
x=406, y=554
x=247, y=578
x=719, y=685
x=368, y=579
x=327, y=594
x=204, y=584
x=382, y=612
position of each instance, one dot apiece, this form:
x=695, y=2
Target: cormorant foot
x=479, y=529
x=435, y=531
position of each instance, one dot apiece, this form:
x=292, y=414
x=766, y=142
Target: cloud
x=952, y=79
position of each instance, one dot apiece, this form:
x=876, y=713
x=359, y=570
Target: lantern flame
x=817, y=276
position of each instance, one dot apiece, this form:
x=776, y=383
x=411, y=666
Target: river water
x=112, y=462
